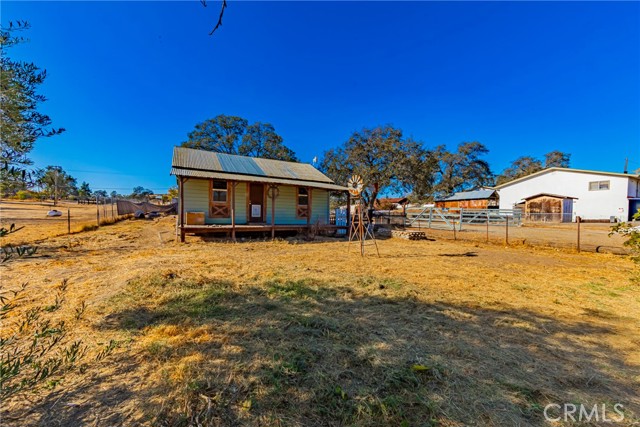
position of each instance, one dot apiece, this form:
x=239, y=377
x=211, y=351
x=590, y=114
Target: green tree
x=261, y=140
x=21, y=122
x=557, y=159
x=522, y=166
x=140, y=192
x=384, y=159
x=84, y=192
x=56, y=183
x=527, y=165
x=172, y=193
x=233, y=135
x=222, y=134
x=462, y=169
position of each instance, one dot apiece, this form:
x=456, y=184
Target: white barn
x=596, y=195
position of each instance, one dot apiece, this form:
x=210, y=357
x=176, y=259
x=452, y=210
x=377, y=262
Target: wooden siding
x=286, y=206
x=468, y=204
x=196, y=199
x=549, y=209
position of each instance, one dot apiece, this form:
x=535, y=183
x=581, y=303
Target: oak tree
x=386, y=161
x=462, y=169
x=234, y=135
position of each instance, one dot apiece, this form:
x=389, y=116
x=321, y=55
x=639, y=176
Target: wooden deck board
x=226, y=228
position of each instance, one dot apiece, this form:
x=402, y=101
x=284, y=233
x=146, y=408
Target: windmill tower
x=359, y=231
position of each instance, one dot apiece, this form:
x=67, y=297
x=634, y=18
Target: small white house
x=594, y=195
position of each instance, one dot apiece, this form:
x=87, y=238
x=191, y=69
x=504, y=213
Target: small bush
x=24, y=195
x=633, y=236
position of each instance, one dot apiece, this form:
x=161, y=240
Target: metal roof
x=207, y=164
x=469, y=195
x=556, y=196
x=625, y=175
x=251, y=178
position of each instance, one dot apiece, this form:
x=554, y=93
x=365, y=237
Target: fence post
x=68, y=221
x=487, y=226
x=579, y=220
x=97, y=212
x=506, y=228
x=460, y=222
x=453, y=222
x=430, y=215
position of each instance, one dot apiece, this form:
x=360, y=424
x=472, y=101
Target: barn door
x=567, y=210
x=256, y=202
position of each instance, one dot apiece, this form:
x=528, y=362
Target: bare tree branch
x=219, y=24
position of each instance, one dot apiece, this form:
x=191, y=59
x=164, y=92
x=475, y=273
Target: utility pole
x=55, y=188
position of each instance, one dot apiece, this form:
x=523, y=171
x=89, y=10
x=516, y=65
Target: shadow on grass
x=312, y=353
x=463, y=254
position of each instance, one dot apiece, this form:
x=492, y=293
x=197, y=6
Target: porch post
x=309, y=189
x=181, y=215
x=233, y=210
x=348, y=211
x=273, y=212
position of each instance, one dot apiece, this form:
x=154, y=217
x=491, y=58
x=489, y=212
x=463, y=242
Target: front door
x=256, y=202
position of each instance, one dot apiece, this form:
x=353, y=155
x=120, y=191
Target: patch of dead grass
x=269, y=333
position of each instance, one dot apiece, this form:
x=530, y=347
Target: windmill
x=359, y=231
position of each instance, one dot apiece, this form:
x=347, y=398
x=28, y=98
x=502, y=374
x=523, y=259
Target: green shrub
x=24, y=195
x=633, y=236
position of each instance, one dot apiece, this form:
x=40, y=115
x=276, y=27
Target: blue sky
x=129, y=80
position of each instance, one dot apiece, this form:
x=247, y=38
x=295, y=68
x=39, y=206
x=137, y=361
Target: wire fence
x=46, y=219
x=492, y=226
x=507, y=227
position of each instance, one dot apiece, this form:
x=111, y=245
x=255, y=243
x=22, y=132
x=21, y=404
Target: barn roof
x=470, y=195
x=624, y=175
x=556, y=196
x=397, y=200
x=194, y=163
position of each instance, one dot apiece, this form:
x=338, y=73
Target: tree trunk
x=372, y=200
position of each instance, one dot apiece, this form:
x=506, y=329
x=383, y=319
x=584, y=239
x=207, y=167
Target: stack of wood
x=410, y=235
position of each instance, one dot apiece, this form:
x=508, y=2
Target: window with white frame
x=598, y=185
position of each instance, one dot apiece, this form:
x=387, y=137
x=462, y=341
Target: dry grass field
x=294, y=333
x=594, y=237
x=37, y=225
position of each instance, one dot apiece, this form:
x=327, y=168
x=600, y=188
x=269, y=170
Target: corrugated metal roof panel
x=279, y=168
x=470, y=195
x=557, y=196
x=189, y=158
x=251, y=178
x=195, y=159
x=239, y=164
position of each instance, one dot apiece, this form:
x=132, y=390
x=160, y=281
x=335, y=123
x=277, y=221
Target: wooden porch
x=231, y=229
x=254, y=228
